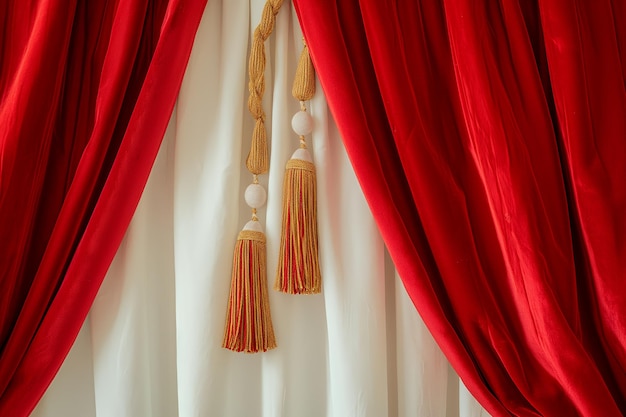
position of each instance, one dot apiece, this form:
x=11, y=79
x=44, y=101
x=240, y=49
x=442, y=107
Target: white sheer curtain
x=152, y=344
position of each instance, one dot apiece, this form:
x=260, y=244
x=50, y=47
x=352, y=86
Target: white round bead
x=302, y=123
x=255, y=195
x=302, y=154
x=254, y=226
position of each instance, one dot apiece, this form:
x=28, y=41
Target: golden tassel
x=248, y=323
x=248, y=320
x=298, y=264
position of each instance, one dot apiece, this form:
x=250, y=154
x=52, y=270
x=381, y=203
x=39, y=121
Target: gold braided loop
x=258, y=158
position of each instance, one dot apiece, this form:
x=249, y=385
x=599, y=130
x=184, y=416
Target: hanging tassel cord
x=298, y=264
x=248, y=325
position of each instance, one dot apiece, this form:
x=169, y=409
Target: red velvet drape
x=490, y=140
x=87, y=89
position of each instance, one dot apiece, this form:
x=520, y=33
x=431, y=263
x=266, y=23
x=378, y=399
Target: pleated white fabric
x=152, y=344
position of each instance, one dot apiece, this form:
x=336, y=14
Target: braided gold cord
x=258, y=158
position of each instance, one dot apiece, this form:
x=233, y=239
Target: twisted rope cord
x=258, y=158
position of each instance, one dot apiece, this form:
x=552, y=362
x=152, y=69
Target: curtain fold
x=588, y=87
x=86, y=97
x=488, y=138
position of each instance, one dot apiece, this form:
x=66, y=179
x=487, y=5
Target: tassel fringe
x=248, y=322
x=298, y=265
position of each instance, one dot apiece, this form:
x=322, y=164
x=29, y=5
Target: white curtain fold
x=152, y=343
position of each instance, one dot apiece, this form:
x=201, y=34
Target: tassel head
x=298, y=265
x=258, y=158
x=248, y=321
x=304, y=82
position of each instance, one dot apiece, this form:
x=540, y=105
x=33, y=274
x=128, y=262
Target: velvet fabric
x=87, y=89
x=489, y=138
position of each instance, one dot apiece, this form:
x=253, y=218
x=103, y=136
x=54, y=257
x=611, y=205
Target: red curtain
x=490, y=141
x=87, y=89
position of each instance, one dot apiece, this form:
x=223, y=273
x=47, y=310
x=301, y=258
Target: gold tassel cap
x=304, y=82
